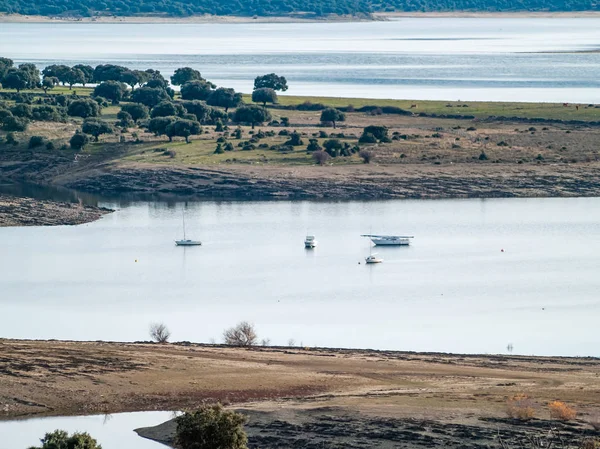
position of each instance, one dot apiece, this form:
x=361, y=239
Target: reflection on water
x=480, y=275
x=111, y=431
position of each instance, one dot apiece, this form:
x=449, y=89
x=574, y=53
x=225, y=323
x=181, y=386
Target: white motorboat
x=310, y=241
x=389, y=240
x=372, y=258
x=188, y=242
x=185, y=241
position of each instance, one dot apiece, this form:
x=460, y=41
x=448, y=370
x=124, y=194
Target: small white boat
x=185, y=241
x=372, y=258
x=310, y=241
x=389, y=240
x=188, y=242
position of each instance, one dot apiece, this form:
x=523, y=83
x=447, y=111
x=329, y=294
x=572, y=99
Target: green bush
x=59, y=439
x=12, y=123
x=79, y=141
x=211, y=427
x=35, y=141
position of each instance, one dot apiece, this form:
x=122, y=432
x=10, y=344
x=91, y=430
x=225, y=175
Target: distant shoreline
x=17, y=18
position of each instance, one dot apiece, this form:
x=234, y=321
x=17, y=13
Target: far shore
x=18, y=18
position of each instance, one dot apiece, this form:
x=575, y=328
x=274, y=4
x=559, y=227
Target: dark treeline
x=150, y=100
x=182, y=8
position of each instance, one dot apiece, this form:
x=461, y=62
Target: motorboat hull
x=390, y=241
x=188, y=243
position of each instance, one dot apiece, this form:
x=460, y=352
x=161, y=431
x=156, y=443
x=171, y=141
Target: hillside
x=310, y=8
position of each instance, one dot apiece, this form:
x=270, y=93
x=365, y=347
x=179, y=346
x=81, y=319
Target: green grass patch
x=478, y=109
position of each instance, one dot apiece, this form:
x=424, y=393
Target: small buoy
x=359, y=262
x=136, y=260
x=502, y=250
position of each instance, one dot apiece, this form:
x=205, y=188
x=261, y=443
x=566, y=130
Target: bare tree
x=159, y=332
x=241, y=335
x=320, y=157
x=265, y=342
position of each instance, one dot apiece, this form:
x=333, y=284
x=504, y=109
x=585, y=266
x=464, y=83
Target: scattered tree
x=196, y=90
x=241, y=335
x=225, y=98
x=149, y=96
x=183, y=128
x=158, y=125
x=49, y=82
x=96, y=127
x=332, y=115
x=167, y=108
x=211, y=427
x=108, y=72
x=159, y=333
x=84, y=108
x=137, y=111
x=88, y=72
x=251, y=114
x=271, y=81
x=111, y=90
x=74, y=76
x=264, y=95
x=185, y=75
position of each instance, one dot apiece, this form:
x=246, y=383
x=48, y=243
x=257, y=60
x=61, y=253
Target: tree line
x=182, y=8
x=151, y=100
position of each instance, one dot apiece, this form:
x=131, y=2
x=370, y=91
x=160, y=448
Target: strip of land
x=22, y=211
x=290, y=392
x=298, y=18
x=434, y=150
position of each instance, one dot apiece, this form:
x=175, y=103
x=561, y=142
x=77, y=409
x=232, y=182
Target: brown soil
x=19, y=211
x=63, y=378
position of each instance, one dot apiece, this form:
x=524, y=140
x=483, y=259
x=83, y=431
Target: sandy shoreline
x=294, y=394
x=205, y=19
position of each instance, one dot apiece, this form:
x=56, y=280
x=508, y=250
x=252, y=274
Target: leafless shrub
x=241, y=335
x=159, y=333
x=265, y=342
x=291, y=342
x=520, y=407
x=320, y=157
x=366, y=156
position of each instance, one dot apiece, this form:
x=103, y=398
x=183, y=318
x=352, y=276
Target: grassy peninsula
x=133, y=133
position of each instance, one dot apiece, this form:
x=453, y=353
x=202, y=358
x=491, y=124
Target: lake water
x=498, y=59
x=453, y=290
x=111, y=431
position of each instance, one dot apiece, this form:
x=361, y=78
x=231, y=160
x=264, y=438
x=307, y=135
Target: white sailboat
x=185, y=241
x=372, y=257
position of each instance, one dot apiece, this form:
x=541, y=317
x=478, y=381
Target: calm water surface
x=111, y=431
x=529, y=59
x=452, y=290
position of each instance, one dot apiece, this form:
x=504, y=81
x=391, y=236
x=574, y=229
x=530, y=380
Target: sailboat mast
x=183, y=213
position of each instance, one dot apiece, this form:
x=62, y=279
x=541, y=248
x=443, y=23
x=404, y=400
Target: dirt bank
x=19, y=211
x=359, y=182
x=69, y=378
x=302, y=397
